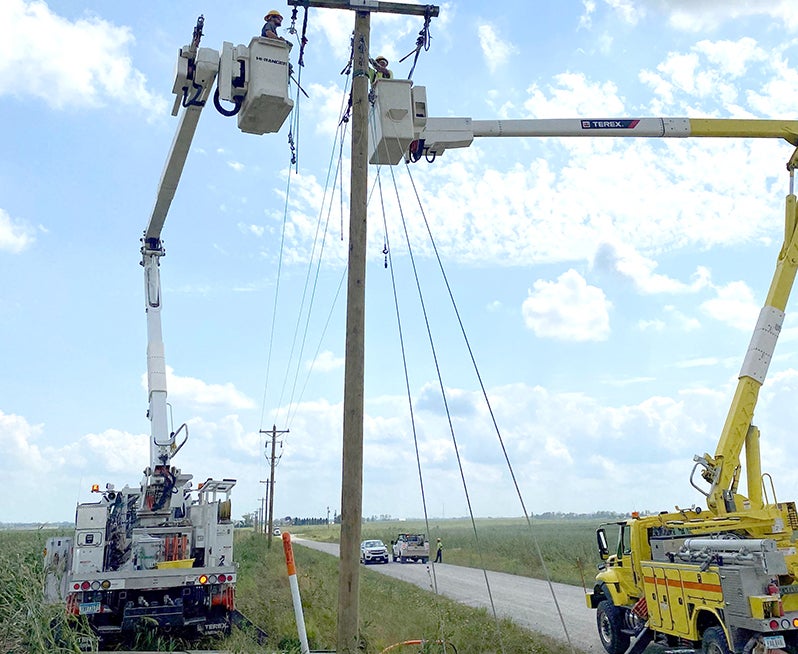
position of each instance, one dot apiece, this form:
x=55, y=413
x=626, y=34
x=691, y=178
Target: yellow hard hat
x=273, y=12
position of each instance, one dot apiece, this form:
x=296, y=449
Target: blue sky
x=608, y=287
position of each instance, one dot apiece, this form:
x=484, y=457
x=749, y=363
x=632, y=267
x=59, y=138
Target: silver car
x=373, y=551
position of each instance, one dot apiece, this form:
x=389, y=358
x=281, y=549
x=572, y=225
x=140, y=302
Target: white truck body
x=410, y=547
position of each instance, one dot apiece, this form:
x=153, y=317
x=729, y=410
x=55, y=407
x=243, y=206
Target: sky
x=602, y=292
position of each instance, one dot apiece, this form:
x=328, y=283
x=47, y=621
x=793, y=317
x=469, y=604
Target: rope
x=276, y=297
x=423, y=41
x=290, y=409
x=389, y=262
x=444, y=397
x=485, y=396
x=492, y=414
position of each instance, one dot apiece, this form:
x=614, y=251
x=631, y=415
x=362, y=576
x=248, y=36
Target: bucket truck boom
x=161, y=554
x=720, y=581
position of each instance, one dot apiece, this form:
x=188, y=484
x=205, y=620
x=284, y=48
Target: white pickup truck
x=410, y=547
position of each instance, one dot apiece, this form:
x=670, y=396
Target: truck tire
x=609, y=620
x=714, y=641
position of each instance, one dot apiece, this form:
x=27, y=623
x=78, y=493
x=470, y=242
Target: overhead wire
x=389, y=259
x=455, y=444
x=443, y=392
x=491, y=412
x=389, y=264
x=318, y=244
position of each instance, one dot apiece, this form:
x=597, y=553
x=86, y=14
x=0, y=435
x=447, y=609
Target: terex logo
x=609, y=124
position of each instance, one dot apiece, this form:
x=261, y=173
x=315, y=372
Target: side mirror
x=601, y=540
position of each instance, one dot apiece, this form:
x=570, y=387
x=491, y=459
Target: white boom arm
x=255, y=78
x=195, y=75
x=401, y=129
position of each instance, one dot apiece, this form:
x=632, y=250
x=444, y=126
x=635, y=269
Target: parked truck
x=161, y=553
x=725, y=579
x=410, y=547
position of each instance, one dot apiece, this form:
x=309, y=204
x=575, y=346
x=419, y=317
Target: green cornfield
x=563, y=550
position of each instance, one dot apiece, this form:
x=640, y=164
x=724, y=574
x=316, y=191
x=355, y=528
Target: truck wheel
x=714, y=641
x=609, y=619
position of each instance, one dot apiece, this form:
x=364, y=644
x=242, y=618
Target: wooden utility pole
x=270, y=487
x=264, y=499
x=354, y=368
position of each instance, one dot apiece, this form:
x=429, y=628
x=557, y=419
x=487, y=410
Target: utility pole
x=270, y=486
x=264, y=499
x=348, y=638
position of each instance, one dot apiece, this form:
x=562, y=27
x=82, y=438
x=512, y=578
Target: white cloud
x=15, y=235
x=573, y=95
x=586, y=19
x=623, y=259
x=682, y=321
x=568, y=309
x=651, y=325
x=257, y=230
x=326, y=362
x=496, y=50
x=199, y=394
x=734, y=305
x=69, y=64
x=17, y=439
x=704, y=15
x=236, y=165
x=629, y=10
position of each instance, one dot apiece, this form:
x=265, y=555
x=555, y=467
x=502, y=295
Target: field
x=567, y=547
x=263, y=593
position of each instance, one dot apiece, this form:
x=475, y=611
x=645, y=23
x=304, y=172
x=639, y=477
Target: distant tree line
x=598, y=515
x=301, y=522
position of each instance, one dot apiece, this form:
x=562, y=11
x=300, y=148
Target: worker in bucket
x=380, y=69
x=273, y=20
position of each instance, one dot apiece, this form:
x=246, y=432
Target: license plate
x=773, y=642
x=87, y=608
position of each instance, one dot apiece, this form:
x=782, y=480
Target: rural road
x=527, y=602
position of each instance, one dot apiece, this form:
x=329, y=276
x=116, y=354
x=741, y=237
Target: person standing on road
x=439, y=553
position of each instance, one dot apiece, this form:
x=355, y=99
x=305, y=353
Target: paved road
x=527, y=602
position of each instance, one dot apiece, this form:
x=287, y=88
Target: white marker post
x=292, y=581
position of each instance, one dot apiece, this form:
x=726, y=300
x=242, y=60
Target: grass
x=391, y=611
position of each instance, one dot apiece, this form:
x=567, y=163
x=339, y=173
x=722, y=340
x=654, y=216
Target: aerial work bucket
x=267, y=103
x=391, y=123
